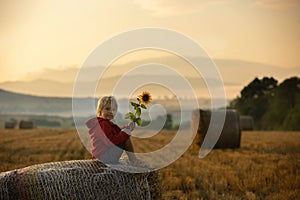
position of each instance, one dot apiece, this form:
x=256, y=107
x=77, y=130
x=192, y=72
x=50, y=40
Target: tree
x=255, y=98
x=169, y=122
x=288, y=93
x=284, y=112
x=272, y=107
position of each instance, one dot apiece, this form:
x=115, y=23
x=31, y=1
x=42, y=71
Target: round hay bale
x=25, y=124
x=80, y=179
x=231, y=133
x=10, y=125
x=247, y=123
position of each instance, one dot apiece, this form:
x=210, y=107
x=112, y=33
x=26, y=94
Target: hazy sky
x=39, y=34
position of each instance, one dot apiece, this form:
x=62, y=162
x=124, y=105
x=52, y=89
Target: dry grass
x=267, y=166
x=20, y=148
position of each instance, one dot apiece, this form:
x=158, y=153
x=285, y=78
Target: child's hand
x=128, y=128
x=131, y=126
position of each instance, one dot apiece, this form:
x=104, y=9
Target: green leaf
x=139, y=121
x=129, y=115
x=132, y=116
x=135, y=105
x=143, y=106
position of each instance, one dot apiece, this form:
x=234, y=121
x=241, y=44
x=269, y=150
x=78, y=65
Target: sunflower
x=145, y=98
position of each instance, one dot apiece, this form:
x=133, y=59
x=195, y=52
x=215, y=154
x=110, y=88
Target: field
x=267, y=166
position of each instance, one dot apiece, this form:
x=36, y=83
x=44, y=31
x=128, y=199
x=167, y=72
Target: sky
x=37, y=35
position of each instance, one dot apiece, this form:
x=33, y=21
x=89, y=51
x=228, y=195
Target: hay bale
x=25, y=124
x=80, y=179
x=247, y=123
x=231, y=133
x=10, y=125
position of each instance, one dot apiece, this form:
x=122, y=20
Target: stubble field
x=267, y=166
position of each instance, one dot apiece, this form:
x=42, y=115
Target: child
x=108, y=139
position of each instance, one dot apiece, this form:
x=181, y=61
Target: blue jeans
x=113, y=154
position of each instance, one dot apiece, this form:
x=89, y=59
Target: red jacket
x=104, y=134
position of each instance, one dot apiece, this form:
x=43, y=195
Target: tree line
x=273, y=106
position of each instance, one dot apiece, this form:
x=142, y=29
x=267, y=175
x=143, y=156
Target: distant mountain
x=59, y=82
x=121, y=84
x=15, y=103
x=22, y=104
x=229, y=68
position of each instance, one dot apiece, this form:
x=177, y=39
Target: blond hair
x=103, y=101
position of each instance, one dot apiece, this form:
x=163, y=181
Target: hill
x=45, y=111
x=16, y=103
x=60, y=82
